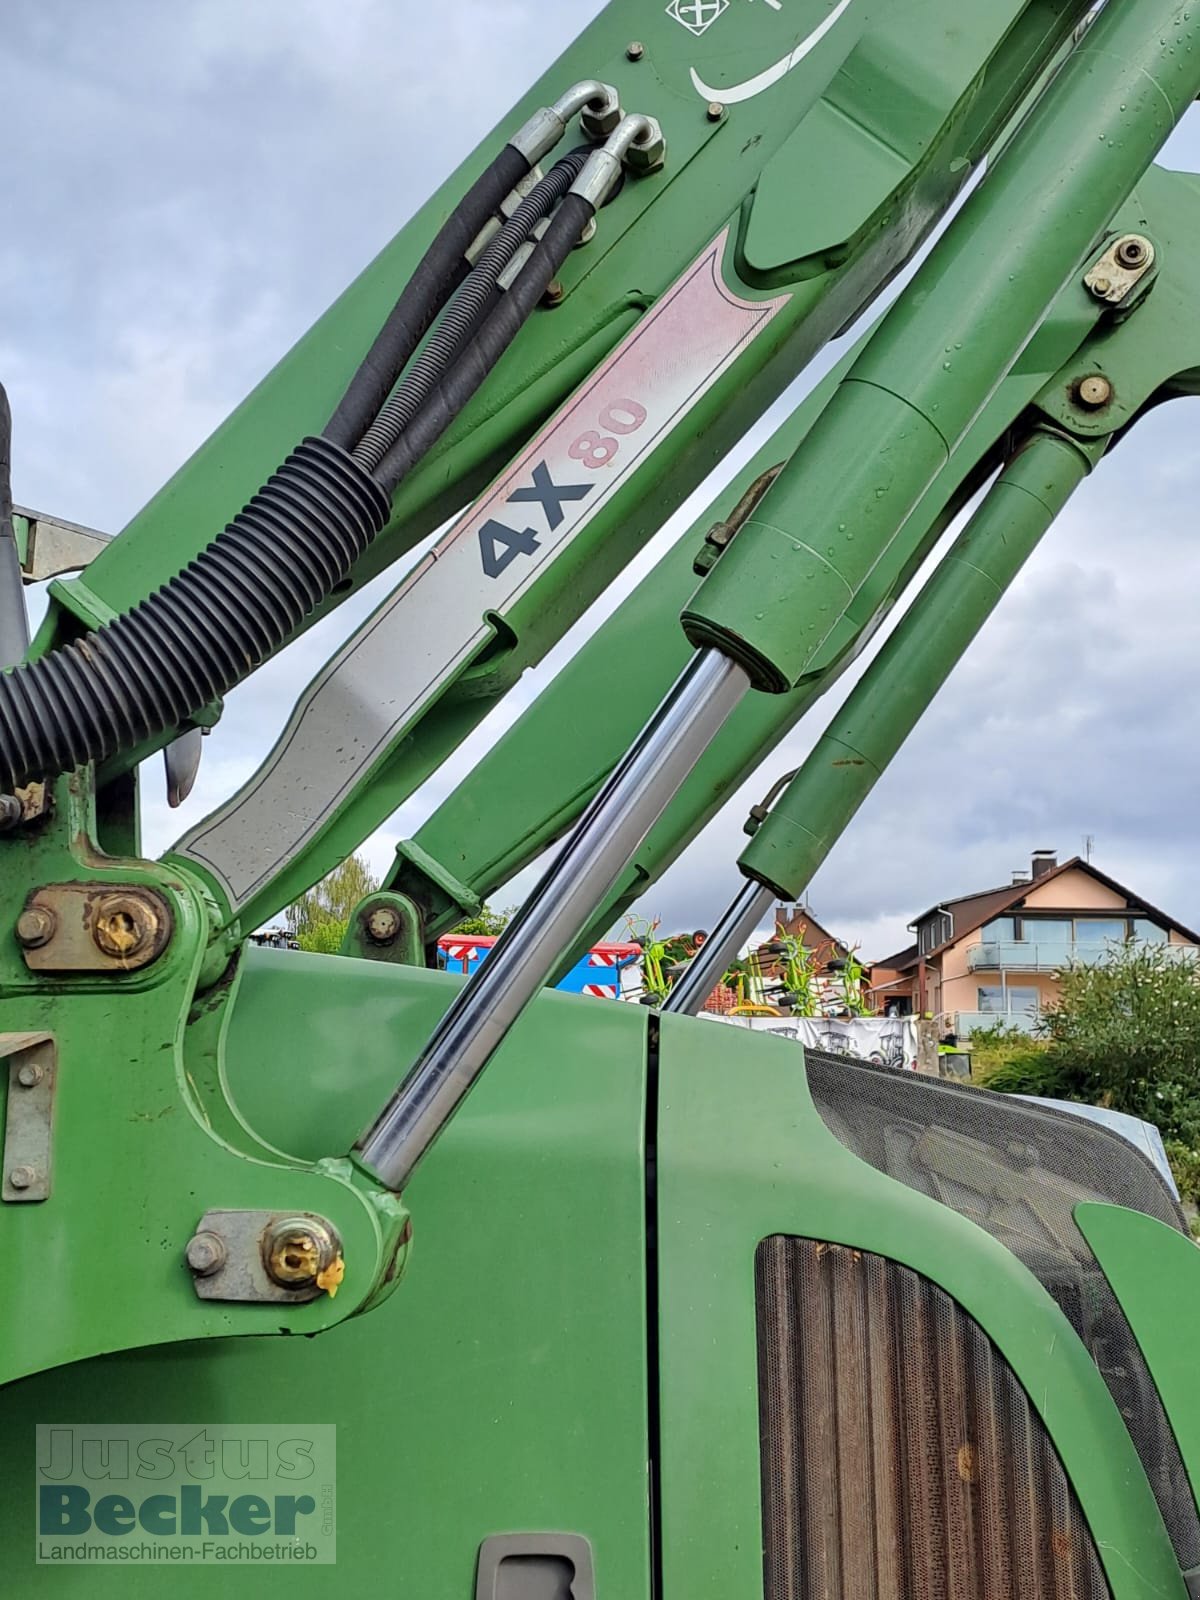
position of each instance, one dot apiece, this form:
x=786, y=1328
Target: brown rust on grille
x=901, y=1460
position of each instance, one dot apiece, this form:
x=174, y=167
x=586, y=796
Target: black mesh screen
x=901, y=1459
x=1019, y=1170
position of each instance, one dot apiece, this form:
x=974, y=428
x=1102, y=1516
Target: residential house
x=992, y=957
x=800, y=923
x=830, y=955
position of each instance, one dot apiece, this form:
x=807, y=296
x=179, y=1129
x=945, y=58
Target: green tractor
x=301, y=1299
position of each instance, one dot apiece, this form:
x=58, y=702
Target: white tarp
x=891, y=1041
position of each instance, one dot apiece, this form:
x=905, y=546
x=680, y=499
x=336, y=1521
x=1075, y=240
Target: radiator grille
x=901, y=1459
x=1018, y=1170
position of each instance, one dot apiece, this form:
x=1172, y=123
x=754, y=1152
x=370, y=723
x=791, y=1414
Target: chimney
x=1044, y=861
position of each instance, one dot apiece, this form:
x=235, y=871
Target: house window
x=1008, y=1000
x=1148, y=932
x=1036, y=931
x=1100, y=930
x=1001, y=930
x=934, y=931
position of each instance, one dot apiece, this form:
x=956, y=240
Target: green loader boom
x=612, y=1304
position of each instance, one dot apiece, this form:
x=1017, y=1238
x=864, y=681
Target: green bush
x=1126, y=1031
x=488, y=924
x=1009, y=1061
x=1027, y=1071
x=1185, y=1164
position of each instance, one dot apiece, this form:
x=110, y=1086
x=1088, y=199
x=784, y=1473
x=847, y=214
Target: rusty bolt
x=1101, y=287
x=35, y=927
x=554, y=293
x=1095, y=391
x=714, y=111
x=635, y=50
x=123, y=925
x=1134, y=252
x=30, y=1075
x=296, y=1249
x=383, y=924
x=205, y=1253
x=22, y=1177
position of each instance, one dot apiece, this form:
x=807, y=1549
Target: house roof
x=803, y=925
x=900, y=961
x=971, y=911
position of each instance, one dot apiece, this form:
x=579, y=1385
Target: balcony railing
x=1021, y=955
x=969, y=1022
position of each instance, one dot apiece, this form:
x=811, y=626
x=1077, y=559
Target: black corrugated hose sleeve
x=14, y=619
x=441, y=271
x=467, y=310
x=201, y=633
x=493, y=339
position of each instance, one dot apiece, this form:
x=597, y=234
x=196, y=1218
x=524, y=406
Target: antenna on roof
x=1089, y=844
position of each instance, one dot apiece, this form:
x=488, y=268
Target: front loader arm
x=520, y=567
x=738, y=257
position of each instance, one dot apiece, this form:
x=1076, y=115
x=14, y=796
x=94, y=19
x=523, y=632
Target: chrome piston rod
x=604, y=842
x=706, y=968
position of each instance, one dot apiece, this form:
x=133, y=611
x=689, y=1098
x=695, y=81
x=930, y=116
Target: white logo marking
x=736, y=92
x=697, y=15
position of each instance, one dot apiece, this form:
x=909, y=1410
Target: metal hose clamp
x=600, y=109
x=637, y=143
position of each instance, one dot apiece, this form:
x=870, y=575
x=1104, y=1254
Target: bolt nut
x=1094, y=392
x=1101, y=287
x=598, y=118
x=30, y=1075
x=555, y=293
x=22, y=1177
x=123, y=925
x=635, y=50
x=11, y=811
x=1134, y=252
x=297, y=1249
x=714, y=111
x=647, y=153
x=35, y=927
x=383, y=924
x=205, y=1253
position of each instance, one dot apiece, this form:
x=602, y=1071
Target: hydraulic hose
x=441, y=271
x=466, y=311
x=445, y=263
x=202, y=632
x=247, y=592
x=456, y=387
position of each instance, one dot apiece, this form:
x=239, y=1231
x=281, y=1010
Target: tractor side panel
x=889, y=1364
x=501, y=1389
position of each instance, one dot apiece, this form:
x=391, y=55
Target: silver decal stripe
x=734, y=93
x=387, y=674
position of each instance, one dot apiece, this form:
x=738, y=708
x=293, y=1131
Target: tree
x=319, y=918
x=1125, y=1033
x=488, y=924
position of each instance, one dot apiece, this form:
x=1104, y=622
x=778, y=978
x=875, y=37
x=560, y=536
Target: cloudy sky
x=162, y=250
